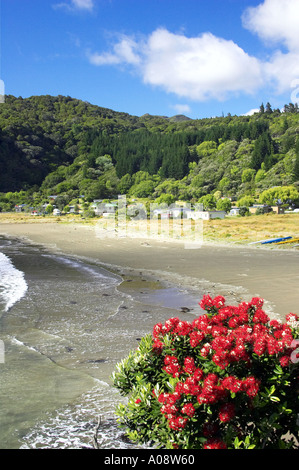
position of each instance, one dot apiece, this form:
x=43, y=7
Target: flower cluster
x=227, y=379
x=231, y=334
x=228, y=336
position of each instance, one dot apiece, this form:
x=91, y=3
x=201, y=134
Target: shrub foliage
x=227, y=380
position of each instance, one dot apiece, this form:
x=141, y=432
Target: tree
x=49, y=209
x=143, y=189
x=283, y=194
x=167, y=199
x=245, y=201
x=206, y=149
x=208, y=201
x=61, y=201
x=248, y=175
x=263, y=150
x=224, y=205
x=125, y=184
x=268, y=109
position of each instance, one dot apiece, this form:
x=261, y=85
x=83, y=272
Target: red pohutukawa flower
x=214, y=443
x=227, y=412
x=228, y=339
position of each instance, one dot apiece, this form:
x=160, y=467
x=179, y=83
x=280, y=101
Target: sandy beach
x=237, y=272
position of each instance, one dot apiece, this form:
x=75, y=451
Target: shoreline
x=238, y=272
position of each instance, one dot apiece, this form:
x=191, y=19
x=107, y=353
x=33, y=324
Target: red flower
x=172, y=366
x=219, y=301
x=198, y=375
x=183, y=328
x=138, y=401
x=227, y=412
x=188, y=409
x=205, y=350
x=195, y=338
x=251, y=386
x=284, y=361
x=260, y=317
x=177, y=423
x=260, y=345
x=257, y=301
x=170, y=324
x=157, y=330
x=206, y=303
x=189, y=365
x=214, y=443
x=158, y=346
x=232, y=383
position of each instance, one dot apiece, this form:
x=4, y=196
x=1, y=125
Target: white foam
x=12, y=283
x=82, y=267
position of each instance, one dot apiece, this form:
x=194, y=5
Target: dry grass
x=252, y=228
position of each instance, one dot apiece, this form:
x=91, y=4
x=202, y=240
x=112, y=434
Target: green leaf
x=275, y=399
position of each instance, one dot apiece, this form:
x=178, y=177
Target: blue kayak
x=276, y=240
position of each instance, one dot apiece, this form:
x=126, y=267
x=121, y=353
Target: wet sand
x=238, y=272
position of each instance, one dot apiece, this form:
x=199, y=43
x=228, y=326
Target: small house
x=205, y=215
x=278, y=209
x=234, y=211
x=266, y=209
x=20, y=207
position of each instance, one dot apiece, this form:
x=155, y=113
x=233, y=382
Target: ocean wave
x=12, y=283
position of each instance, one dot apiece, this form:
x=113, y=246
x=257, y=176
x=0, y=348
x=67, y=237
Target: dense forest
x=66, y=147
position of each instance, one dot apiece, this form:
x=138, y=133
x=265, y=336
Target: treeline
x=67, y=147
x=169, y=153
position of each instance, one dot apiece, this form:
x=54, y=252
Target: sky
x=201, y=58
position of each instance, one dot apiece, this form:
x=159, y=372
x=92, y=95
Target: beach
x=74, y=303
x=238, y=272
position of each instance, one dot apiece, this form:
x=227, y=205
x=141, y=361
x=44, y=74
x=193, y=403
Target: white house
x=234, y=211
x=56, y=212
x=205, y=215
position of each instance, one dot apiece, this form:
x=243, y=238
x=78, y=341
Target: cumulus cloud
x=281, y=70
x=275, y=21
x=197, y=68
x=210, y=67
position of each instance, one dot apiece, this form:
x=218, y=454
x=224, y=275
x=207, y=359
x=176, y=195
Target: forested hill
x=64, y=146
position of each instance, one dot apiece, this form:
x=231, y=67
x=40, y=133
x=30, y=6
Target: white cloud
x=275, y=21
x=87, y=5
x=181, y=108
x=83, y=4
x=209, y=67
x=251, y=112
x=124, y=52
x=281, y=70
x=197, y=68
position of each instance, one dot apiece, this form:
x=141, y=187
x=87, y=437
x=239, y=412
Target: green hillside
x=67, y=147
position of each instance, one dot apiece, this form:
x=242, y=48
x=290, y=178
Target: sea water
x=65, y=323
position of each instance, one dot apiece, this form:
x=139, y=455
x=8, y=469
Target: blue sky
x=201, y=58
